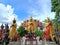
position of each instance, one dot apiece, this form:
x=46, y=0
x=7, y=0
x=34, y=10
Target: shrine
x=32, y=24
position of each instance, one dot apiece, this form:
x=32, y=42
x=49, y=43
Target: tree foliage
x=56, y=23
x=39, y=32
x=55, y=5
x=21, y=30
x=56, y=8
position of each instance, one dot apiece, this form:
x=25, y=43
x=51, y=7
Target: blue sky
x=23, y=9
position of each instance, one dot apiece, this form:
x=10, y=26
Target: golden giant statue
x=31, y=24
x=13, y=29
x=49, y=29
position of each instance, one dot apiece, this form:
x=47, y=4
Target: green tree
x=56, y=8
x=39, y=32
x=21, y=30
x=55, y=5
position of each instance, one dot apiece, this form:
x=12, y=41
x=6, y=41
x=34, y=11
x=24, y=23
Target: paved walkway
x=39, y=42
x=47, y=43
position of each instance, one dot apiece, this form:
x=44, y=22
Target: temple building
x=32, y=24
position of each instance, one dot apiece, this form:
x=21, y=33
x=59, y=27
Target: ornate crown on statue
x=14, y=21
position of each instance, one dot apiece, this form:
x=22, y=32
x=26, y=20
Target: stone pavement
x=39, y=42
x=17, y=43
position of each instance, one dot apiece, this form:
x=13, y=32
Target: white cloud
x=19, y=23
x=7, y=14
x=41, y=10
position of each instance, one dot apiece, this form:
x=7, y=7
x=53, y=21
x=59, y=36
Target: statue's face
x=31, y=23
x=47, y=22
